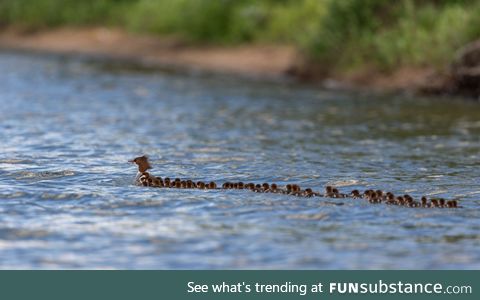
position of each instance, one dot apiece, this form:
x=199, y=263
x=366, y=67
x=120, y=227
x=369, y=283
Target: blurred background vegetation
x=343, y=35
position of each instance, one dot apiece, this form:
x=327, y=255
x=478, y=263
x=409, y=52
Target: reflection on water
x=67, y=200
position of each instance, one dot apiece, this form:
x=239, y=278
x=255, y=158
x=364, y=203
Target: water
x=67, y=200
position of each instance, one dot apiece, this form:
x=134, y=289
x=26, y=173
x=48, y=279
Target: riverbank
x=258, y=61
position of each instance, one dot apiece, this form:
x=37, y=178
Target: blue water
x=67, y=200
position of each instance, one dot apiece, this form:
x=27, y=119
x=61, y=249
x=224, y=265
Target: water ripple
x=67, y=198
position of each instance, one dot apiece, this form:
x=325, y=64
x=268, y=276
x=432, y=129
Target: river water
x=67, y=200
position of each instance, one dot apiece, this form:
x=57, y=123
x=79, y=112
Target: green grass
x=338, y=35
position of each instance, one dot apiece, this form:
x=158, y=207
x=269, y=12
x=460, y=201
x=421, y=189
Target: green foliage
x=338, y=34
x=200, y=20
x=47, y=13
x=389, y=34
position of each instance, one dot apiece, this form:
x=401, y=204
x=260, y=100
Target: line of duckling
x=144, y=178
x=373, y=196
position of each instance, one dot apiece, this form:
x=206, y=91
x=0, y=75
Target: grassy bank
x=340, y=36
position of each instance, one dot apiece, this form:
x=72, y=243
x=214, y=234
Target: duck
x=266, y=187
x=329, y=192
x=167, y=182
x=273, y=188
x=355, y=194
x=441, y=202
x=367, y=193
x=400, y=200
x=158, y=182
x=143, y=166
x=308, y=193
x=424, y=202
x=380, y=194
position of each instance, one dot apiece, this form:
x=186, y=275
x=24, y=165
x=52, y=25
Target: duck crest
x=372, y=196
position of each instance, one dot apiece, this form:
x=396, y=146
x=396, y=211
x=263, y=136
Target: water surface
x=67, y=200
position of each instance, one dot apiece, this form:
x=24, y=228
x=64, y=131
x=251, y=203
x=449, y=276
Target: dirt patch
x=255, y=60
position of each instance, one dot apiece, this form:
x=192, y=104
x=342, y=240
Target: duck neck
x=137, y=178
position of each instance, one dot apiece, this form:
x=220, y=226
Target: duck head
x=142, y=163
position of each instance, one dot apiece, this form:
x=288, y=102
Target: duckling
x=454, y=203
x=266, y=187
x=189, y=184
x=167, y=181
x=355, y=194
x=288, y=188
x=367, y=193
x=296, y=190
x=329, y=192
x=424, y=202
x=408, y=199
x=442, y=202
x=379, y=194
x=273, y=188
x=241, y=185
x=235, y=185
x=158, y=182
x=400, y=200
x=434, y=202
x=212, y=185
x=178, y=184
x=308, y=193
x=338, y=194
x=373, y=197
x=390, y=196
x=183, y=184
x=225, y=185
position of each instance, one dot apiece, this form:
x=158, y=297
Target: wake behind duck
x=144, y=178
